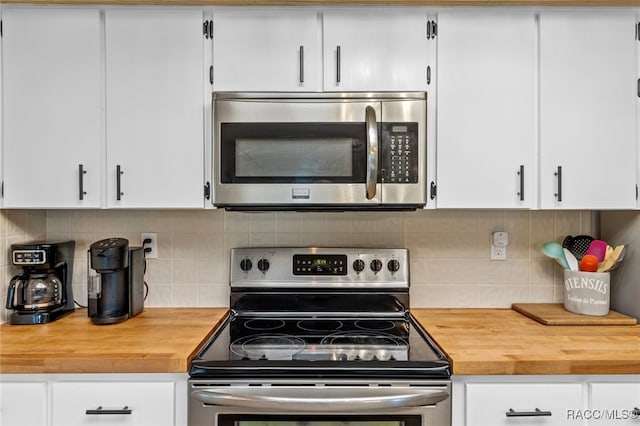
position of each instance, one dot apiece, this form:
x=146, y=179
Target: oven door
x=313, y=151
x=319, y=405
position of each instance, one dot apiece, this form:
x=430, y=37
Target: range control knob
x=246, y=265
x=263, y=265
x=358, y=265
x=376, y=265
x=393, y=265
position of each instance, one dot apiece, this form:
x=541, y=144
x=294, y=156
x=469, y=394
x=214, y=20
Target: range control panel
x=319, y=267
x=399, y=152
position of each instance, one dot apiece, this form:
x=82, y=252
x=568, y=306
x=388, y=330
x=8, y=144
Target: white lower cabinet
x=614, y=402
x=548, y=400
x=23, y=404
x=491, y=404
x=131, y=399
x=115, y=403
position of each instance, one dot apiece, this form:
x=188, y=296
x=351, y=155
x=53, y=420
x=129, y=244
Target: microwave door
x=297, y=153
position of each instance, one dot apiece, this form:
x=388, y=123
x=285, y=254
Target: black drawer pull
x=536, y=413
x=100, y=410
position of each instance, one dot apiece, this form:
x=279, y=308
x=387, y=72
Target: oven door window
x=293, y=153
x=318, y=420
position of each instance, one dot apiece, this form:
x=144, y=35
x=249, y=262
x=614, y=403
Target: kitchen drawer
x=15, y=397
x=614, y=402
x=488, y=403
x=150, y=403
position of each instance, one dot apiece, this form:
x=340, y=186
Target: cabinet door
x=614, y=402
x=488, y=403
x=587, y=110
x=23, y=404
x=52, y=72
x=266, y=50
x=155, y=108
x=375, y=50
x=486, y=133
x=87, y=403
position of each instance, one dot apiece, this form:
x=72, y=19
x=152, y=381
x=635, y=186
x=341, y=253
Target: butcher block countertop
x=159, y=340
x=163, y=340
x=503, y=341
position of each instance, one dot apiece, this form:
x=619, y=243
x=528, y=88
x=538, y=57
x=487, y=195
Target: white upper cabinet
x=588, y=89
x=486, y=112
x=266, y=50
x=375, y=50
x=52, y=73
x=155, y=108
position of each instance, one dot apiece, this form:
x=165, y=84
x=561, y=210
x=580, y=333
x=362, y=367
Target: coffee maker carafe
x=116, y=293
x=42, y=292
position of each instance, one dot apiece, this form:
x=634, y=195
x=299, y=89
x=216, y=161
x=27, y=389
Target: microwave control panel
x=399, y=153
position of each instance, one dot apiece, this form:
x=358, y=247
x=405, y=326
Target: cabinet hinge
x=207, y=29
x=432, y=30
x=207, y=191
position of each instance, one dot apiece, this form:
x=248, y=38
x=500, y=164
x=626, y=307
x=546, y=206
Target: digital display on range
x=315, y=264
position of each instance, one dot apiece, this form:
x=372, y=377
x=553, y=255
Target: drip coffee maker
x=42, y=292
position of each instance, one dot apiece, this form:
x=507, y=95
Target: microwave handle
x=372, y=149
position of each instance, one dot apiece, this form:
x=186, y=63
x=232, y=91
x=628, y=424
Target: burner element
x=319, y=325
x=375, y=325
x=264, y=324
x=267, y=347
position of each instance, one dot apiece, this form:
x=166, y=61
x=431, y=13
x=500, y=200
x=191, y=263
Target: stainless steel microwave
x=324, y=151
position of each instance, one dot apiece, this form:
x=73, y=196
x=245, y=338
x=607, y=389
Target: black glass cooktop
x=319, y=346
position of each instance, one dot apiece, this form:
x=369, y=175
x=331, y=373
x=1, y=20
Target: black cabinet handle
x=558, y=174
x=81, y=173
x=428, y=75
x=434, y=190
x=119, y=173
x=301, y=64
x=337, y=64
x=100, y=411
x=521, y=174
x=536, y=413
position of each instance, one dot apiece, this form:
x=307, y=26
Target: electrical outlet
x=153, y=245
x=498, y=253
x=499, y=242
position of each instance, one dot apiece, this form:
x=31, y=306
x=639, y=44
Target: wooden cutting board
x=556, y=314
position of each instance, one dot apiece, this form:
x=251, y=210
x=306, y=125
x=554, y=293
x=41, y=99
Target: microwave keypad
x=399, y=149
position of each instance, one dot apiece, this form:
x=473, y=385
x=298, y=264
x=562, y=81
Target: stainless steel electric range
x=320, y=337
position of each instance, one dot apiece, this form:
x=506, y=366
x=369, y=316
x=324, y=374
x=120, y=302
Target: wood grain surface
x=159, y=340
x=502, y=341
x=556, y=314
x=433, y=3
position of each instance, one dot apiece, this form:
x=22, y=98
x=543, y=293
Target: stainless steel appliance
x=42, y=292
x=320, y=150
x=319, y=337
x=117, y=292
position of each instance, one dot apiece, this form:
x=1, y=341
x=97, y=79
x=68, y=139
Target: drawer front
x=15, y=397
x=487, y=404
x=90, y=403
x=613, y=403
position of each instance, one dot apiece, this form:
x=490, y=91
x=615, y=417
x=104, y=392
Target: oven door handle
x=372, y=150
x=322, y=399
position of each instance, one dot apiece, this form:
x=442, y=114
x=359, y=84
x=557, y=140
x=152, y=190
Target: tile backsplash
x=449, y=249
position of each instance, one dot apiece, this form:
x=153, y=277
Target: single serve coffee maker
x=116, y=292
x=42, y=293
